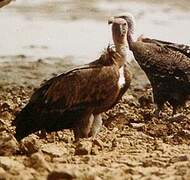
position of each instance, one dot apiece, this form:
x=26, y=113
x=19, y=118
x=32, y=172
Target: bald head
x=129, y=18
x=125, y=18
x=119, y=30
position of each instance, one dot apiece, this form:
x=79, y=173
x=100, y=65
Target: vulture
x=75, y=99
x=166, y=64
x=4, y=2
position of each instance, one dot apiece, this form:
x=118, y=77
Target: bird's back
x=184, y=49
x=156, y=59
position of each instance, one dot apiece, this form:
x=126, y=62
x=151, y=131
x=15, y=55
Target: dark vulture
x=75, y=99
x=4, y=2
x=166, y=64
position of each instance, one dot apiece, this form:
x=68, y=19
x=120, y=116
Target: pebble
x=30, y=145
x=54, y=150
x=8, y=144
x=180, y=158
x=38, y=162
x=98, y=142
x=8, y=163
x=65, y=174
x=83, y=147
x=137, y=126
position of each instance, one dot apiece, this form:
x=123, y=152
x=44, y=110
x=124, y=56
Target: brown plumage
x=76, y=99
x=4, y=2
x=166, y=64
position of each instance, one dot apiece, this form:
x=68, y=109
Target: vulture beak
x=119, y=22
x=111, y=20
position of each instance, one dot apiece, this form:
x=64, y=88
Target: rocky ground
x=132, y=144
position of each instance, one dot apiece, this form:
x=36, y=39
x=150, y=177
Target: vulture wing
x=168, y=69
x=177, y=47
x=87, y=85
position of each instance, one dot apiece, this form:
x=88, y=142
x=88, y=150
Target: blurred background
x=78, y=28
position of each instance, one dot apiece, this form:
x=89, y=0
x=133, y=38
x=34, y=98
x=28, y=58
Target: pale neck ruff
x=121, y=81
x=122, y=50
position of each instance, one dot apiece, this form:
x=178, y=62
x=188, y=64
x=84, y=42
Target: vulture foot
x=157, y=111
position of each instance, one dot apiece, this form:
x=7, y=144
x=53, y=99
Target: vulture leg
x=159, y=102
x=83, y=129
x=77, y=133
x=174, y=110
x=158, y=108
x=96, y=126
x=42, y=134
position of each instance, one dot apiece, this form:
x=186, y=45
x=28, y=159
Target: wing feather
x=161, y=61
x=80, y=86
x=184, y=49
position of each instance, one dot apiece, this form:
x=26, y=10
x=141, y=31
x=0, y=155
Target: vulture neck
x=121, y=49
x=130, y=39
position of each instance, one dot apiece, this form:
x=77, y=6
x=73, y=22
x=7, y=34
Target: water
x=38, y=29
x=47, y=38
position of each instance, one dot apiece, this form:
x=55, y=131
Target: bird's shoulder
x=76, y=84
x=159, y=53
x=175, y=47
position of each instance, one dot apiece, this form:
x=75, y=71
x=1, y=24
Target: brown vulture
x=75, y=99
x=166, y=64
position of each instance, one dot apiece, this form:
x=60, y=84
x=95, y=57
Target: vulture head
x=126, y=22
x=129, y=18
x=119, y=30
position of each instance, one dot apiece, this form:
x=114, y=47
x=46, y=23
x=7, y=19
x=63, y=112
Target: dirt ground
x=132, y=144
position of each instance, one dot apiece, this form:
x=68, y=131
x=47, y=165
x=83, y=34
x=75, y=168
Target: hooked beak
x=122, y=31
x=111, y=20
x=118, y=21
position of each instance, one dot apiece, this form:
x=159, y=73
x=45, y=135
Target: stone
x=2, y=171
x=7, y=105
x=8, y=144
x=95, y=150
x=98, y=142
x=65, y=174
x=9, y=163
x=6, y=115
x=83, y=147
x=54, y=150
x=30, y=145
x=130, y=100
x=114, y=143
x=179, y=158
x=145, y=100
x=38, y=162
x=137, y=126
x=3, y=125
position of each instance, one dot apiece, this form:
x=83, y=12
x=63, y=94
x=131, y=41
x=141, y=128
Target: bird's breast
x=121, y=81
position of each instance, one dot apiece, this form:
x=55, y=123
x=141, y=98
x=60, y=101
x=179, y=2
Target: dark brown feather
x=167, y=66
x=184, y=49
x=4, y=2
